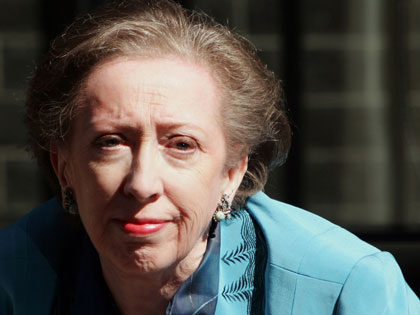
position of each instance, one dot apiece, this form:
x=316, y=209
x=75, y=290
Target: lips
x=143, y=226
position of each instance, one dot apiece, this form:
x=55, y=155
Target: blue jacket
x=316, y=267
x=312, y=267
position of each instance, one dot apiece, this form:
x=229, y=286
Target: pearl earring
x=224, y=207
x=69, y=202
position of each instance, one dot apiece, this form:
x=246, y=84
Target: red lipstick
x=143, y=227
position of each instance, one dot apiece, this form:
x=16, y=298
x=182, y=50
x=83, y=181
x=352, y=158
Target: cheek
x=106, y=178
x=95, y=187
x=193, y=225
x=198, y=188
x=196, y=196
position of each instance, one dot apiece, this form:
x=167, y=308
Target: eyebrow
x=180, y=125
x=166, y=124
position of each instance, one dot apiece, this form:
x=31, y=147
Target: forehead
x=165, y=86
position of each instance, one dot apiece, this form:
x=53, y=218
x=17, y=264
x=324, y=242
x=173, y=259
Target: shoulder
x=31, y=253
x=320, y=265
x=314, y=246
x=18, y=241
x=39, y=234
x=376, y=281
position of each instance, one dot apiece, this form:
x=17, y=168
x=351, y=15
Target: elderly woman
x=151, y=122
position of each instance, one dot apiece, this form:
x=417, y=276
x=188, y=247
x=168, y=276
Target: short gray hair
x=253, y=111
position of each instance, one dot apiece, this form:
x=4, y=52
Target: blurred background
x=351, y=74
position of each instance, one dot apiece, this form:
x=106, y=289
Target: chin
x=143, y=260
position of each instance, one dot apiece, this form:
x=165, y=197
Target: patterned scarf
x=230, y=279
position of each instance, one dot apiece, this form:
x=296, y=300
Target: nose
x=143, y=181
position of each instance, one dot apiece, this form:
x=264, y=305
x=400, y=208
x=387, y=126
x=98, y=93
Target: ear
x=236, y=174
x=58, y=158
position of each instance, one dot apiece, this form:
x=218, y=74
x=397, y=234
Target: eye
x=109, y=141
x=182, y=145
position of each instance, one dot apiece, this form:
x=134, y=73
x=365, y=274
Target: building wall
x=21, y=40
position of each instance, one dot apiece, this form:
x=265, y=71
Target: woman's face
x=147, y=161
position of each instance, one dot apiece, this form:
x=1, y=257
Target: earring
x=70, y=204
x=224, y=207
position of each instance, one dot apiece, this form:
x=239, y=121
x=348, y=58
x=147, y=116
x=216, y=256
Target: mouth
x=142, y=227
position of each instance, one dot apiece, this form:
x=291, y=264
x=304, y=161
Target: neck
x=149, y=292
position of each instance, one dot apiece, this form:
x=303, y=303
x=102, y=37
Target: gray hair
x=253, y=112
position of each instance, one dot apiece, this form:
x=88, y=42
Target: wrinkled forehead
x=167, y=88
